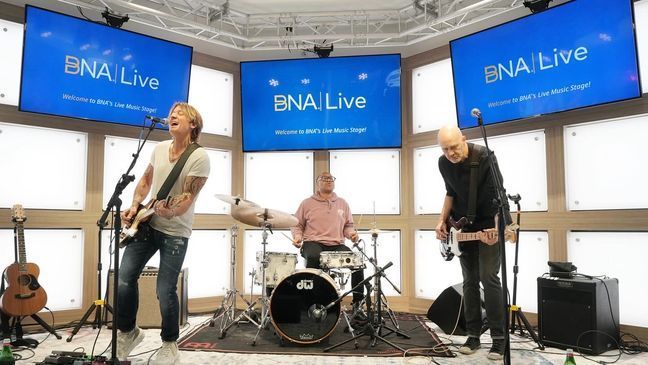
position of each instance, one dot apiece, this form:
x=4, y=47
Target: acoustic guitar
x=450, y=246
x=144, y=213
x=24, y=295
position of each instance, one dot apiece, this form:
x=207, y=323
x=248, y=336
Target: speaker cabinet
x=579, y=313
x=447, y=311
x=148, y=313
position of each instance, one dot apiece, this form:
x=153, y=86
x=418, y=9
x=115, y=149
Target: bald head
x=453, y=143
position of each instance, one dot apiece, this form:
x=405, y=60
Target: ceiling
x=240, y=30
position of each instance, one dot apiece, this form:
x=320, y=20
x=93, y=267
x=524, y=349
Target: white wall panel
x=219, y=182
x=620, y=255
x=605, y=164
x=279, y=180
x=42, y=168
x=433, y=99
x=59, y=256
x=11, y=38
x=432, y=274
x=212, y=93
x=533, y=254
x=429, y=189
x=368, y=180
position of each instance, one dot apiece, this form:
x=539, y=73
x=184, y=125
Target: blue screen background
x=50, y=37
x=609, y=73
x=376, y=78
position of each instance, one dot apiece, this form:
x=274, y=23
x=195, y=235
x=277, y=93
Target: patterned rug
x=239, y=338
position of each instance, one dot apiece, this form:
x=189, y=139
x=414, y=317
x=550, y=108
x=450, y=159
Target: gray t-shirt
x=197, y=165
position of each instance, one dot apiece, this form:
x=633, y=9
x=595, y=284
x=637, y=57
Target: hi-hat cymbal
x=377, y=231
x=258, y=216
x=236, y=201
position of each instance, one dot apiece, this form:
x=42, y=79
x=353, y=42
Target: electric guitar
x=144, y=213
x=450, y=246
x=24, y=295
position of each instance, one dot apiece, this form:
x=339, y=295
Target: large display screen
x=76, y=68
x=574, y=55
x=325, y=103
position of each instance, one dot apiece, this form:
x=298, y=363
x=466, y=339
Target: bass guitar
x=144, y=213
x=24, y=295
x=450, y=248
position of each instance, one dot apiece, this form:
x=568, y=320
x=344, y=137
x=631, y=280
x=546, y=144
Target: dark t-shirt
x=457, y=182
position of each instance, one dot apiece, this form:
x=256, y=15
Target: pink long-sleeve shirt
x=326, y=221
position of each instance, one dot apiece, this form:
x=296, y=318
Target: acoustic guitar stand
x=13, y=325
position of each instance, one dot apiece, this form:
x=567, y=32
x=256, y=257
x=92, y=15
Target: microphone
x=158, y=120
x=477, y=114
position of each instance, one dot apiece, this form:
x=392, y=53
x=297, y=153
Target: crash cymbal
x=236, y=201
x=258, y=216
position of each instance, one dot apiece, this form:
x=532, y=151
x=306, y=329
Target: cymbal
x=377, y=231
x=236, y=201
x=258, y=216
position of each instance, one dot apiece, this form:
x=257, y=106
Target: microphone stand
x=116, y=202
x=503, y=221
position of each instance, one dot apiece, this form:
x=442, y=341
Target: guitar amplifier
x=148, y=313
x=579, y=313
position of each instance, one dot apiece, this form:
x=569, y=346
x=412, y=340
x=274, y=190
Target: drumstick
x=291, y=240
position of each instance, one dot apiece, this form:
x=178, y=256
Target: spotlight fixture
x=114, y=20
x=537, y=6
x=323, y=51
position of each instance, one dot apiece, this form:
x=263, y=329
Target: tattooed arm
x=141, y=191
x=191, y=188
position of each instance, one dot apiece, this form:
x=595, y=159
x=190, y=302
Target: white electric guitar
x=449, y=247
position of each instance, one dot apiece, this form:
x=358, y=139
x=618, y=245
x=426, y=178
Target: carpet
x=239, y=339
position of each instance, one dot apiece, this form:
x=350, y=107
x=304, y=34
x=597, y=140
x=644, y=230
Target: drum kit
x=303, y=305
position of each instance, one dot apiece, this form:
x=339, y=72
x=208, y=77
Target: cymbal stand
x=225, y=314
x=265, y=302
x=379, y=297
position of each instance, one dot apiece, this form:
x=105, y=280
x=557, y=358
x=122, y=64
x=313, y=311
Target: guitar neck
x=468, y=236
x=20, y=234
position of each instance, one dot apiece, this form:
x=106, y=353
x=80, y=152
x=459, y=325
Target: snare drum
x=341, y=260
x=280, y=265
x=297, y=306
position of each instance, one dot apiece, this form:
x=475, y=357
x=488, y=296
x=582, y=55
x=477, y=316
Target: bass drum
x=297, y=306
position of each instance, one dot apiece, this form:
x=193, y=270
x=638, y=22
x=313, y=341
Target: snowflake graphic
x=305, y=81
x=363, y=76
x=273, y=82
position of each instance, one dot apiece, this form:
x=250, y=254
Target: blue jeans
x=482, y=263
x=137, y=253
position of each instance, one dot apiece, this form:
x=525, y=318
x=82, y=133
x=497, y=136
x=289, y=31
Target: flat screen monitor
x=578, y=54
x=324, y=103
x=76, y=68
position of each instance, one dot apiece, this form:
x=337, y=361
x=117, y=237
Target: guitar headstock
x=18, y=214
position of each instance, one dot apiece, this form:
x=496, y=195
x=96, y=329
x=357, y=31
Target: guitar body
x=144, y=213
x=450, y=246
x=24, y=295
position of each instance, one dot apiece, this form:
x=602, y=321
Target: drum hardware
x=252, y=214
x=225, y=314
x=370, y=328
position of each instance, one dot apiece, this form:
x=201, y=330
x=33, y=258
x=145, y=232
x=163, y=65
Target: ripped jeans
x=136, y=255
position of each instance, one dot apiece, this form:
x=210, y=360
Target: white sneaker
x=127, y=341
x=167, y=354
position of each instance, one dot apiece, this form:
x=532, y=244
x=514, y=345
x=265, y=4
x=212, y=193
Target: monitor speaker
x=447, y=311
x=579, y=313
x=148, y=314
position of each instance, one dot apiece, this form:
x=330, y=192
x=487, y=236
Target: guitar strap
x=175, y=172
x=474, y=176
